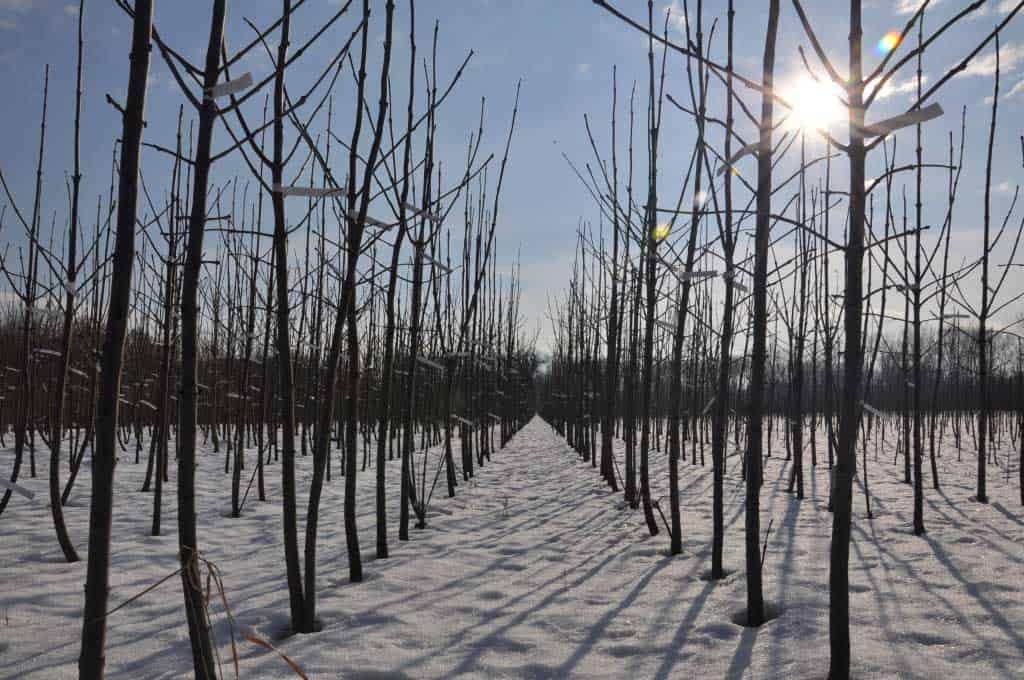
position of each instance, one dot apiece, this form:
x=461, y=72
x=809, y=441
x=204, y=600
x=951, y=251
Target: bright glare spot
x=700, y=199
x=816, y=104
x=661, y=232
x=889, y=42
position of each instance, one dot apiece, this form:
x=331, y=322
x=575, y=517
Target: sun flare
x=816, y=104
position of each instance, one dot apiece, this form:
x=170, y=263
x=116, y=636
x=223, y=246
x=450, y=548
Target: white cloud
x=1016, y=89
x=676, y=16
x=911, y=6
x=583, y=69
x=895, y=87
x=1010, y=55
x=71, y=10
x=16, y=5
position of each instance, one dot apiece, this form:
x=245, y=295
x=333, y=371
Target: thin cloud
x=17, y=5
x=676, y=16
x=1010, y=55
x=897, y=87
x=911, y=6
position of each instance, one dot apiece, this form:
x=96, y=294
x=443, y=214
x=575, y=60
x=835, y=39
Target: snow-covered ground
x=535, y=570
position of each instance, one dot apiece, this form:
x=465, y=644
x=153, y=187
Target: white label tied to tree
x=433, y=217
x=730, y=276
x=696, y=275
x=462, y=420
x=17, y=488
x=307, y=192
x=354, y=216
x=890, y=125
x=707, y=408
x=666, y=325
x=230, y=87
x=443, y=267
x=730, y=162
x=430, y=364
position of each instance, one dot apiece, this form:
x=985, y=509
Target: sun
x=816, y=104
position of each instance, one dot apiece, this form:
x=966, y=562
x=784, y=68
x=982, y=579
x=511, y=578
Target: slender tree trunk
x=94, y=623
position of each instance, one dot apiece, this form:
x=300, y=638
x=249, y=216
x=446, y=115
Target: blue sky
x=563, y=50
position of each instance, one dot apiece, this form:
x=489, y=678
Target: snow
x=535, y=570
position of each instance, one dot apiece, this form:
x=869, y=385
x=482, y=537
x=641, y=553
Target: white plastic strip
x=745, y=151
x=443, y=267
x=707, y=408
x=666, y=325
x=890, y=125
x=354, y=216
x=148, y=404
x=47, y=352
x=871, y=409
x=230, y=87
x=696, y=276
x=429, y=215
x=432, y=364
x=17, y=488
x=308, y=192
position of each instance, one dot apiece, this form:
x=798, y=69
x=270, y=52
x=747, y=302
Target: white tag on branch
x=729, y=275
x=429, y=215
x=230, y=87
x=871, y=409
x=151, y=406
x=730, y=162
x=17, y=488
x=696, y=276
x=890, y=125
x=354, y=216
x=443, y=267
x=46, y=352
x=308, y=192
x=707, y=408
x=430, y=364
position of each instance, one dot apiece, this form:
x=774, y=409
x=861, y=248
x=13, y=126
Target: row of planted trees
x=718, y=315
x=341, y=294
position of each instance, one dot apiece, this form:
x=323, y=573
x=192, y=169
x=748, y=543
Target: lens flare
x=889, y=42
x=816, y=104
x=661, y=232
